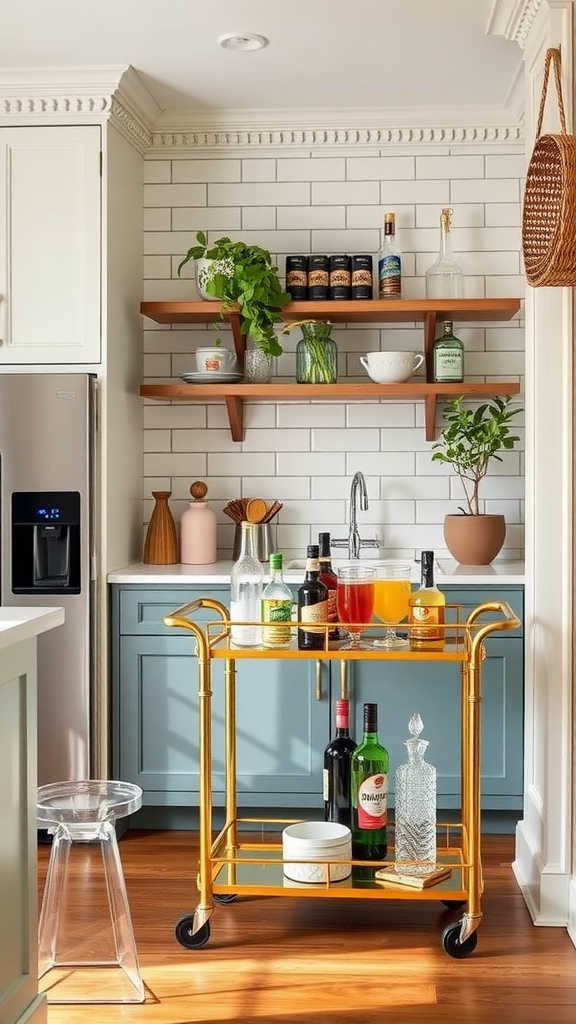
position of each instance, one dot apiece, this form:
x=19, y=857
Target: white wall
x=317, y=201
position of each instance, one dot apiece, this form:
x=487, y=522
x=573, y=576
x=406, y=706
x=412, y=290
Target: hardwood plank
x=290, y=961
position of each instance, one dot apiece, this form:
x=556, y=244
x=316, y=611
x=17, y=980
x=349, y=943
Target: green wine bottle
x=369, y=771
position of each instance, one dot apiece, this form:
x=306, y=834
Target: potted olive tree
x=243, y=276
x=468, y=443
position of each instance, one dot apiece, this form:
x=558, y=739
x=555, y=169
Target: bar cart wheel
x=189, y=939
x=452, y=945
x=224, y=897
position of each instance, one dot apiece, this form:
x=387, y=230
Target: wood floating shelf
x=425, y=311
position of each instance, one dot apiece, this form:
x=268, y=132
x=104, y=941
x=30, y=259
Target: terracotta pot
x=474, y=540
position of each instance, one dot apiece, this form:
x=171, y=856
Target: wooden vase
x=161, y=544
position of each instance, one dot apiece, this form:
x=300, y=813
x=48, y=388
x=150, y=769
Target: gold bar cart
x=232, y=863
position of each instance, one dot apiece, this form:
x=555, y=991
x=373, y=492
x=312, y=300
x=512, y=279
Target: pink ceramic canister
x=198, y=529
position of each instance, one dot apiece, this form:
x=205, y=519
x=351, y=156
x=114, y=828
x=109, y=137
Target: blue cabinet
x=285, y=710
x=282, y=711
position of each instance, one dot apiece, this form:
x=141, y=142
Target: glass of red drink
x=355, y=602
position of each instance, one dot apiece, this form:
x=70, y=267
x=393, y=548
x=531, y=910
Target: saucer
x=211, y=378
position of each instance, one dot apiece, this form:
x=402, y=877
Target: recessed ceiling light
x=242, y=41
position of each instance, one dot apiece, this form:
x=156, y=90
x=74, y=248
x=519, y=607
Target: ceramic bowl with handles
x=391, y=367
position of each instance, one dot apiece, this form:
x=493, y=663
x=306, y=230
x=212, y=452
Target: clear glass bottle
x=444, y=279
x=448, y=357
x=316, y=354
x=246, y=578
x=276, y=607
x=336, y=772
x=369, y=775
x=330, y=580
x=415, y=812
x=312, y=604
x=389, y=262
x=426, y=610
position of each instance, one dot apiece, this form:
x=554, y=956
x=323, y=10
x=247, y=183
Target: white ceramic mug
x=391, y=367
x=215, y=360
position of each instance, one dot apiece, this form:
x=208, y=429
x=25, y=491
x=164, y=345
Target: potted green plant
x=468, y=443
x=243, y=275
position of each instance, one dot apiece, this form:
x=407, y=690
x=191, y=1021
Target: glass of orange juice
x=391, y=596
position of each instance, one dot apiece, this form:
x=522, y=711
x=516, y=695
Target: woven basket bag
x=549, y=210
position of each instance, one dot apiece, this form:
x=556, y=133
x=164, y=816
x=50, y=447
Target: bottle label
x=389, y=275
x=373, y=802
x=448, y=366
x=332, y=606
x=325, y=784
x=276, y=611
x=424, y=618
x=314, y=613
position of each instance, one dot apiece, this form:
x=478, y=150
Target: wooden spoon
x=256, y=509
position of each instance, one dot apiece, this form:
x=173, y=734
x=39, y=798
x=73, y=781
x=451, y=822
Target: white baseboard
x=545, y=891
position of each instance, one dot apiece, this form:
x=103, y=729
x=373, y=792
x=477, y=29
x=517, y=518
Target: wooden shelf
x=425, y=311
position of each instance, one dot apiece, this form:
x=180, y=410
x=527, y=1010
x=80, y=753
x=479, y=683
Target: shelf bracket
x=235, y=407
x=430, y=416
x=429, y=337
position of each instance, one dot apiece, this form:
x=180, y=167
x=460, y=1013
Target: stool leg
x=120, y=917
x=53, y=900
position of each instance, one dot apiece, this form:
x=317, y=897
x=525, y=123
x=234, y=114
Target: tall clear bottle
x=312, y=604
x=276, y=607
x=444, y=279
x=389, y=261
x=415, y=813
x=369, y=774
x=426, y=610
x=336, y=772
x=246, y=579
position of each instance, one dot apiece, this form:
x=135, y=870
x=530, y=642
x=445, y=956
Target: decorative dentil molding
x=333, y=138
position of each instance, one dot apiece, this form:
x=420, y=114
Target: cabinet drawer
x=141, y=611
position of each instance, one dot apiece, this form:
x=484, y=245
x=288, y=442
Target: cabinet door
x=434, y=689
x=50, y=276
x=280, y=735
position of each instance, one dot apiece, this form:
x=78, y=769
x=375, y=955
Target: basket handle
x=552, y=55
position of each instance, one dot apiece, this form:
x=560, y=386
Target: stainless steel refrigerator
x=48, y=428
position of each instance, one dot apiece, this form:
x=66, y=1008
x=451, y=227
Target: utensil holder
x=264, y=541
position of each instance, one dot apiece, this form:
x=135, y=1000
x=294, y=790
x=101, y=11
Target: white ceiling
x=337, y=54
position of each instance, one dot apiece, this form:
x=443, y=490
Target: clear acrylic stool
x=85, y=923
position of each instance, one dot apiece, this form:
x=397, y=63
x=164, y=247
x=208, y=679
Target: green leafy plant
x=471, y=439
x=243, y=275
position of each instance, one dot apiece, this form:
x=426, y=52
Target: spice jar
x=340, y=277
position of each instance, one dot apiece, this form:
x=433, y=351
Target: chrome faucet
x=354, y=542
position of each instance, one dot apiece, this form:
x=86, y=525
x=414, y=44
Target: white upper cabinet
x=50, y=245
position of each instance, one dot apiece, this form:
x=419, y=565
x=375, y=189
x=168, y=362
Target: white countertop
x=17, y=624
x=448, y=572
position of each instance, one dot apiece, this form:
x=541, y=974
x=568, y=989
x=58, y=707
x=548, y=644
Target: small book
x=390, y=875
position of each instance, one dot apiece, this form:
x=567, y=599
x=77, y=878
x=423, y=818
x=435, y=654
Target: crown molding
x=96, y=94
x=514, y=19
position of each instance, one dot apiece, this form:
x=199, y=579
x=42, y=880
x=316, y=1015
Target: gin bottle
x=389, y=261
x=246, y=578
x=415, y=816
x=444, y=279
x=448, y=357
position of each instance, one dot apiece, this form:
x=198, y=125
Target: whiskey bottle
x=389, y=261
x=426, y=610
x=312, y=604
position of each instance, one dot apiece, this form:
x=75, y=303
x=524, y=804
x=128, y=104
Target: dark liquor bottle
x=312, y=604
x=330, y=580
x=336, y=774
x=369, y=775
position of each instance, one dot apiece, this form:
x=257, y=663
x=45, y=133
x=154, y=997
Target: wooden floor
x=283, y=960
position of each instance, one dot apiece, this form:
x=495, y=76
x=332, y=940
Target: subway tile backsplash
x=305, y=454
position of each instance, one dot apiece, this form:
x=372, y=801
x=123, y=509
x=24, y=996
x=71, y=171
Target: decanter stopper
x=415, y=816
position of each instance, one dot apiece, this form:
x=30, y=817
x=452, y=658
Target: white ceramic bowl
x=391, y=367
x=310, y=842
